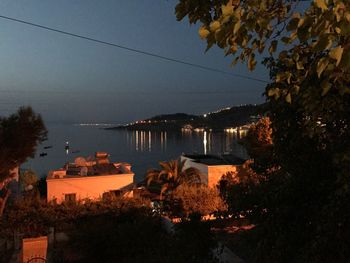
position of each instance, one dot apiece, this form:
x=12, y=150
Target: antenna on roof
x=80, y=161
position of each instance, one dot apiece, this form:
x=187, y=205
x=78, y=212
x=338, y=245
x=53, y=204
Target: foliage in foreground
x=28, y=179
x=136, y=237
x=182, y=192
x=113, y=230
x=319, y=34
x=188, y=200
x=306, y=194
x=33, y=216
x=294, y=210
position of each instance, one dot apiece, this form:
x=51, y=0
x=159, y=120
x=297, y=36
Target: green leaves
x=313, y=45
x=347, y=16
x=284, y=76
x=203, y=32
x=286, y=40
x=293, y=24
x=345, y=61
x=323, y=43
x=274, y=92
x=326, y=86
x=273, y=47
x=251, y=62
x=227, y=10
x=321, y=4
x=215, y=25
x=308, y=96
x=336, y=53
x=303, y=34
x=321, y=65
x=299, y=65
x=236, y=27
x=289, y=98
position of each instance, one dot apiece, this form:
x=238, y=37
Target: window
x=70, y=198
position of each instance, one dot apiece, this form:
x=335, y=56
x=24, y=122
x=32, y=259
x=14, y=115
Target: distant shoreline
x=223, y=119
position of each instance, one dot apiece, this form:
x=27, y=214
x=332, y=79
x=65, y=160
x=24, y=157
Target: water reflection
x=204, y=142
x=145, y=141
x=143, y=149
x=164, y=142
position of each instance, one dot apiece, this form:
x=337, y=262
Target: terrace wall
x=91, y=187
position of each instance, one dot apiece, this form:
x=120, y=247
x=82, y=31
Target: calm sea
x=143, y=150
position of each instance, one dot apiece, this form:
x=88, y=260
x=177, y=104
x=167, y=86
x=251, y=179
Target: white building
x=213, y=167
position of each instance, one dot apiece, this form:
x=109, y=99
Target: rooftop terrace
x=98, y=166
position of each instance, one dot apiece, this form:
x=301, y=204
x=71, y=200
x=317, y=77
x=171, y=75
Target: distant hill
x=217, y=120
x=173, y=117
x=230, y=117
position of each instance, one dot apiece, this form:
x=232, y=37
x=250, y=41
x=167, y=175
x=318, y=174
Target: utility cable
x=132, y=49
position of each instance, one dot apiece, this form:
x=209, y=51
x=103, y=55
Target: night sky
x=68, y=79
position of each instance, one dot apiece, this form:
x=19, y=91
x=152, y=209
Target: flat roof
x=209, y=159
x=75, y=171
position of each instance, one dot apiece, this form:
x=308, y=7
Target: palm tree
x=171, y=175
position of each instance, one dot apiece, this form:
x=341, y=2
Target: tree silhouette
x=20, y=133
x=171, y=175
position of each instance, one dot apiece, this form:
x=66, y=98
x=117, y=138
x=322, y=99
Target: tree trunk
x=4, y=200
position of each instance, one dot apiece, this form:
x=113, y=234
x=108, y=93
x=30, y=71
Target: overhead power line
x=132, y=49
x=164, y=92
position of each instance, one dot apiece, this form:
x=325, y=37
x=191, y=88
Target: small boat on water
x=76, y=151
x=42, y=154
x=48, y=147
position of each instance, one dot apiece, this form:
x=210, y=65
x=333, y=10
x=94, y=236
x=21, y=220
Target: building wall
x=91, y=187
x=211, y=174
x=201, y=167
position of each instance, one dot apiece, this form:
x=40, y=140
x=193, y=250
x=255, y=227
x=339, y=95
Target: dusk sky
x=74, y=80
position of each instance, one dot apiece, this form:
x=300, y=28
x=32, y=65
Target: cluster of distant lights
x=144, y=122
x=197, y=129
x=217, y=111
x=239, y=129
x=95, y=124
x=225, y=109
